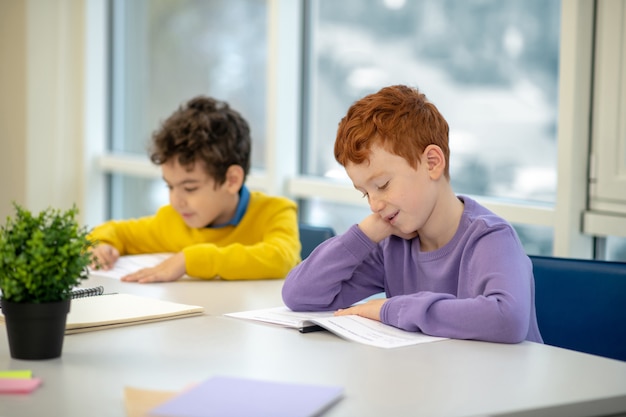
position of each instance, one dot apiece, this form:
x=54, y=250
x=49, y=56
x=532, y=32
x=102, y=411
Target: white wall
x=41, y=105
x=12, y=104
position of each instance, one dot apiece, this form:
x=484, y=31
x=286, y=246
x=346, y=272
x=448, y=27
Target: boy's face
x=400, y=194
x=195, y=197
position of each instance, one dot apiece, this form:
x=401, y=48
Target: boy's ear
x=234, y=178
x=435, y=160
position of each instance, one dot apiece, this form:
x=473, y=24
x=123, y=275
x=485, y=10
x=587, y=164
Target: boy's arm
x=339, y=272
x=134, y=236
x=273, y=256
x=148, y=234
x=495, y=287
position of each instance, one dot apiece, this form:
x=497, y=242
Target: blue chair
x=311, y=236
x=581, y=304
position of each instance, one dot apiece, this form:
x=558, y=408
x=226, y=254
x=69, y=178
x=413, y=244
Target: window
x=165, y=52
x=491, y=67
x=504, y=73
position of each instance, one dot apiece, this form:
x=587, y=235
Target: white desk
x=448, y=378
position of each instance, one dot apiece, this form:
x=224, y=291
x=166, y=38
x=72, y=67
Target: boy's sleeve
x=494, y=301
x=338, y=273
x=119, y=233
x=272, y=257
x=133, y=236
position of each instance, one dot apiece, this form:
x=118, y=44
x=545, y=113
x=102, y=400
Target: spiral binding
x=87, y=292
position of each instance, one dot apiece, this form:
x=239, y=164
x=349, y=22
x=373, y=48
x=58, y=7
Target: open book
x=354, y=328
x=128, y=264
x=115, y=310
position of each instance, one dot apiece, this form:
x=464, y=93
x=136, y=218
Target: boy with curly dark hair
x=214, y=225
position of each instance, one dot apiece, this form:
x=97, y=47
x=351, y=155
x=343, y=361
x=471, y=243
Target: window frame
x=607, y=180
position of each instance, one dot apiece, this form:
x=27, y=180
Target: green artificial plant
x=42, y=257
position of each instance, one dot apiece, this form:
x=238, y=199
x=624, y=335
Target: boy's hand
x=170, y=269
x=370, y=309
x=104, y=257
x=378, y=229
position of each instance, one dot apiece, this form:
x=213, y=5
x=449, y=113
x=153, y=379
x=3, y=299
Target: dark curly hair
x=204, y=129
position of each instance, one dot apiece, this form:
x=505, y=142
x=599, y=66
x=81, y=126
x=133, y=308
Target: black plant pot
x=35, y=330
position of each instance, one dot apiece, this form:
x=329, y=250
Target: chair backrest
x=581, y=304
x=311, y=236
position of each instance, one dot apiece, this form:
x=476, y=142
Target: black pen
x=309, y=329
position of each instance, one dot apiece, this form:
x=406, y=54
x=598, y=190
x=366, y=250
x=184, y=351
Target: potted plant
x=42, y=258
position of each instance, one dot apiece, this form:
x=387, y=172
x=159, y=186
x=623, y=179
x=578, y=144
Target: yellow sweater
x=265, y=243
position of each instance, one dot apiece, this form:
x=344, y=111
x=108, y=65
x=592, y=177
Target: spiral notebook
x=79, y=292
x=115, y=310
x=92, y=309
x=87, y=292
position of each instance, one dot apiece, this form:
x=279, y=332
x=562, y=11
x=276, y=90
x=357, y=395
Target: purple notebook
x=240, y=397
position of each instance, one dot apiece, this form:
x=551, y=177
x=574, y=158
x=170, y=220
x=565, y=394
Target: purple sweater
x=478, y=286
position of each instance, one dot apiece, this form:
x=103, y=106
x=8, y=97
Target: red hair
x=398, y=118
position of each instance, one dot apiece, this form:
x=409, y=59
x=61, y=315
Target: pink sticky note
x=18, y=386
